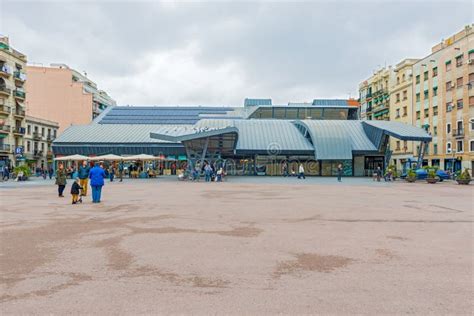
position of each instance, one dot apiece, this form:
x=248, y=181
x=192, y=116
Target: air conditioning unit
x=470, y=62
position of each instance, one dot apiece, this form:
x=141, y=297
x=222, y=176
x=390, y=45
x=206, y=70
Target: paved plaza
x=247, y=246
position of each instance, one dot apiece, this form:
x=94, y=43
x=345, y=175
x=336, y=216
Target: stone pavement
x=247, y=246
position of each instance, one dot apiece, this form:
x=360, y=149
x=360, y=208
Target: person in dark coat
x=75, y=191
x=97, y=175
x=61, y=176
x=339, y=172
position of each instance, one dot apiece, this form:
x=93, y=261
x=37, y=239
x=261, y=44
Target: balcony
x=19, y=131
x=37, y=135
x=19, y=94
x=20, y=113
x=5, y=91
x=5, y=148
x=5, y=110
x=50, y=138
x=19, y=76
x=458, y=133
x=4, y=129
x=4, y=72
x=38, y=153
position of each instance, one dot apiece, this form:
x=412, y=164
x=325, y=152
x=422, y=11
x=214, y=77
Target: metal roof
x=254, y=102
x=396, y=129
x=116, y=133
x=337, y=139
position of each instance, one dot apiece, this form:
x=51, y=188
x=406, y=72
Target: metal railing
x=5, y=109
x=458, y=132
x=5, y=128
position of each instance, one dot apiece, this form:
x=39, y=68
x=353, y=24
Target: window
x=55, y=131
x=397, y=97
x=471, y=124
x=417, y=97
x=405, y=93
x=42, y=131
x=397, y=115
x=471, y=145
x=448, y=128
x=36, y=129
x=42, y=146
x=435, y=71
x=435, y=130
x=435, y=110
x=425, y=75
x=448, y=65
x=435, y=149
x=459, y=146
x=425, y=94
x=49, y=132
x=459, y=60
x=435, y=91
x=417, y=79
x=36, y=146
x=459, y=104
x=427, y=112
x=28, y=146
x=403, y=77
x=398, y=145
x=448, y=86
x=405, y=145
x=405, y=113
x=449, y=106
x=448, y=147
x=28, y=129
x=398, y=80
x=471, y=80
x=459, y=126
x=459, y=82
x=418, y=115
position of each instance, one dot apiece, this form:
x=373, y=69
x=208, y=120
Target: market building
x=12, y=107
x=61, y=94
x=256, y=139
x=40, y=134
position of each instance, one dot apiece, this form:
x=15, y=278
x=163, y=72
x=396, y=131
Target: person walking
x=6, y=173
x=111, y=173
x=339, y=172
x=51, y=172
x=208, y=172
x=61, y=181
x=301, y=172
x=97, y=175
x=120, y=170
x=84, y=177
x=379, y=173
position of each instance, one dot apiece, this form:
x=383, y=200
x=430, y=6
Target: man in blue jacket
x=97, y=175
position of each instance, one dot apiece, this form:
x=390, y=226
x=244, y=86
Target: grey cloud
x=277, y=49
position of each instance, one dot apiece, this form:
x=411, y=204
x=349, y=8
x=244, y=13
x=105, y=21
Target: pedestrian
x=208, y=172
x=339, y=172
x=6, y=173
x=379, y=173
x=61, y=176
x=97, y=175
x=51, y=172
x=120, y=169
x=111, y=173
x=285, y=170
x=75, y=191
x=220, y=174
x=301, y=172
x=84, y=177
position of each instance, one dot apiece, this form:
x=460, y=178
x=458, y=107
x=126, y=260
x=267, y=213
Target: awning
x=72, y=158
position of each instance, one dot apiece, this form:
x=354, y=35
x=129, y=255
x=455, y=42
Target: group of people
x=96, y=175
x=339, y=172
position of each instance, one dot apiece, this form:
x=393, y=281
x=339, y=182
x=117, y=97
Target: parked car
x=422, y=174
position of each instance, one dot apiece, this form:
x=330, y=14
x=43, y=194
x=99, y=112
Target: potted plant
x=431, y=177
x=464, y=177
x=411, y=176
x=24, y=170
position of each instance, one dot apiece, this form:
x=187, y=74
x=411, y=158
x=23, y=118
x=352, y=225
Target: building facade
x=443, y=88
x=374, y=95
x=12, y=106
x=39, y=136
x=401, y=110
x=63, y=95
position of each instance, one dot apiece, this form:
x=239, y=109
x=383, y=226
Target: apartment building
x=443, y=101
x=61, y=94
x=401, y=109
x=374, y=95
x=12, y=107
x=40, y=134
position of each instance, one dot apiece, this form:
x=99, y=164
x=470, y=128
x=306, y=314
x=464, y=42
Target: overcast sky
x=218, y=53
